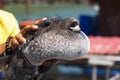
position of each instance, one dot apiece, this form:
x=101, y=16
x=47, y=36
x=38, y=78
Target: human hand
x=19, y=38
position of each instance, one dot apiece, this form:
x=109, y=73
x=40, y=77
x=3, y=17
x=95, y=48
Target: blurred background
x=99, y=19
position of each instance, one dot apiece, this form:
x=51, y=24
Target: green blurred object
x=39, y=11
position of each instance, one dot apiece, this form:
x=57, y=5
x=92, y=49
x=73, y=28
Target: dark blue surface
x=89, y=24
x=86, y=23
x=102, y=71
x=95, y=25
x=1, y=75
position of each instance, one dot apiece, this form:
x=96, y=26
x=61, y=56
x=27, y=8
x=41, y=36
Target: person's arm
x=2, y=48
x=19, y=38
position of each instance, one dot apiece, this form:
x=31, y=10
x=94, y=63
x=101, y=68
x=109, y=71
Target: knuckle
x=15, y=42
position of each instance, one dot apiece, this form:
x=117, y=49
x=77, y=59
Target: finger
x=14, y=43
x=28, y=28
x=31, y=27
x=40, y=20
x=20, y=39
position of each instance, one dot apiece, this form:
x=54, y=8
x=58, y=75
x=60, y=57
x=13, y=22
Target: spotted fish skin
x=56, y=40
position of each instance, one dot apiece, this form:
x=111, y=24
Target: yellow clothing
x=8, y=26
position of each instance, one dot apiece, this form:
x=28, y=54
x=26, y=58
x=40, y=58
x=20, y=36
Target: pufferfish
x=56, y=38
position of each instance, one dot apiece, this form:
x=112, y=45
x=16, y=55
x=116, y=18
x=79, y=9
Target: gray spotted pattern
x=57, y=44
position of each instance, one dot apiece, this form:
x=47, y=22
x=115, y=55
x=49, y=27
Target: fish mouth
x=74, y=25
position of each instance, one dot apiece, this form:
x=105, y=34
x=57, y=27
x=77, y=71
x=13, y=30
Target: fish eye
x=74, y=24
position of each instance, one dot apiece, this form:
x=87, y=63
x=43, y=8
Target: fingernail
x=24, y=41
x=35, y=26
x=44, y=18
